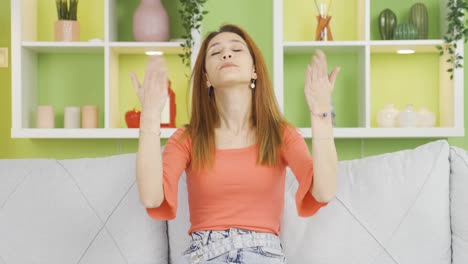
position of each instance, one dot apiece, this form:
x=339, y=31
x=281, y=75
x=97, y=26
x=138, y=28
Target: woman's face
x=228, y=61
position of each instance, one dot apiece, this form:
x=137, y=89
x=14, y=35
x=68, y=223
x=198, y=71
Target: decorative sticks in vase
x=323, y=31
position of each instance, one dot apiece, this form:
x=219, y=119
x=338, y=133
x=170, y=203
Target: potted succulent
x=456, y=31
x=192, y=14
x=67, y=28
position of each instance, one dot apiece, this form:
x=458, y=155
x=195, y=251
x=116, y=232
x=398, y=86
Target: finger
x=323, y=62
x=308, y=76
x=332, y=77
x=315, y=68
x=152, y=66
x=163, y=83
x=136, y=84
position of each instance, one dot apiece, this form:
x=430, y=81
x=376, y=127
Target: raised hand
x=154, y=91
x=319, y=85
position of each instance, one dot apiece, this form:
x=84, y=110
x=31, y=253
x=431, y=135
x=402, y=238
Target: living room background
x=255, y=16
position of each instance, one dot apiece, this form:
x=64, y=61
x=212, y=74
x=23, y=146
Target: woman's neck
x=235, y=107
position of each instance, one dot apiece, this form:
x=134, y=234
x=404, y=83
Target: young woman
x=235, y=151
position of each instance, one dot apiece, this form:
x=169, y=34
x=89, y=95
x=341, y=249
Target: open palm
x=153, y=92
x=319, y=85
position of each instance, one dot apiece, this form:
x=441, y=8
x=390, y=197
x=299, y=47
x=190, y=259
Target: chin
x=231, y=79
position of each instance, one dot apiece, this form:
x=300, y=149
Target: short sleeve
x=175, y=158
x=297, y=157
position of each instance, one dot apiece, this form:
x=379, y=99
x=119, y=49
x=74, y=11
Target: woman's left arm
x=318, y=89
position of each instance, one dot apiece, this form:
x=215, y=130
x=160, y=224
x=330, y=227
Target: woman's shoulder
x=290, y=130
x=181, y=136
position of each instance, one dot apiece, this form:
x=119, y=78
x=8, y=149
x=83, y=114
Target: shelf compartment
x=419, y=79
x=121, y=94
x=436, y=15
x=80, y=82
x=120, y=25
x=38, y=17
x=348, y=96
x=300, y=22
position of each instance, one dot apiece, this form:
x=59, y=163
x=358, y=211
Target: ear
x=208, y=84
x=254, y=74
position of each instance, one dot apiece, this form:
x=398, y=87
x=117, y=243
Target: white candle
x=72, y=117
x=45, y=116
x=89, y=116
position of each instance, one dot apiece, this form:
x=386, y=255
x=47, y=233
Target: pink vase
x=150, y=22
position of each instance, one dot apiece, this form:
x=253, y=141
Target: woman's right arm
x=149, y=166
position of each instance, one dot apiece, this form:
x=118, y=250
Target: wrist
x=321, y=114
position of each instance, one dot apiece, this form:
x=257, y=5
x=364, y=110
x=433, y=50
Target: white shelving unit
x=451, y=94
x=26, y=50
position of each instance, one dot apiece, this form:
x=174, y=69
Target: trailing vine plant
x=456, y=31
x=192, y=14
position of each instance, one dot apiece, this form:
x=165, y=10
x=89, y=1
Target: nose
x=227, y=55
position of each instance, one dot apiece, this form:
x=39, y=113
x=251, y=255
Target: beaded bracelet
x=320, y=115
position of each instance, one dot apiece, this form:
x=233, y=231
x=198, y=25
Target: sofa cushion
x=459, y=204
x=389, y=208
x=77, y=211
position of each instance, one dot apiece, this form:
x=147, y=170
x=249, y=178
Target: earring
x=210, y=90
x=252, y=84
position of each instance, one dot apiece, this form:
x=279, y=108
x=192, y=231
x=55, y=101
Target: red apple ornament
x=132, y=118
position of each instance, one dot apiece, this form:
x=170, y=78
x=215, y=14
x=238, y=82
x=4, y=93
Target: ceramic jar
x=387, y=117
x=45, y=116
x=426, y=118
x=408, y=117
x=150, y=22
x=89, y=116
x=67, y=30
x=71, y=117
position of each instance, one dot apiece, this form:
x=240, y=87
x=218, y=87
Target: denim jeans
x=234, y=245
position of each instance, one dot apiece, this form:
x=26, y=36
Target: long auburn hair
x=266, y=118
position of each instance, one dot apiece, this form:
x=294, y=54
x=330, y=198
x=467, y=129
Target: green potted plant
x=192, y=14
x=456, y=31
x=67, y=28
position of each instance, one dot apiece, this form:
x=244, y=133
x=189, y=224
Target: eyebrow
x=232, y=40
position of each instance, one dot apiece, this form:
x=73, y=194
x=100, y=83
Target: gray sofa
x=404, y=207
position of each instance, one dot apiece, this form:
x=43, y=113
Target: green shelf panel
x=90, y=15
x=404, y=79
x=177, y=73
x=70, y=80
x=401, y=8
x=300, y=20
x=125, y=10
x=345, y=96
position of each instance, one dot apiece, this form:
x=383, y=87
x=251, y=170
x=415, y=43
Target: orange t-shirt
x=236, y=192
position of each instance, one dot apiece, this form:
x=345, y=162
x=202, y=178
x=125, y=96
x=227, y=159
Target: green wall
x=255, y=17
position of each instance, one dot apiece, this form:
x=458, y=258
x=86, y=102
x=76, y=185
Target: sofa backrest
x=76, y=211
x=390, y=208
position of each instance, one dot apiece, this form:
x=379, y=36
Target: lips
x=228, y=64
